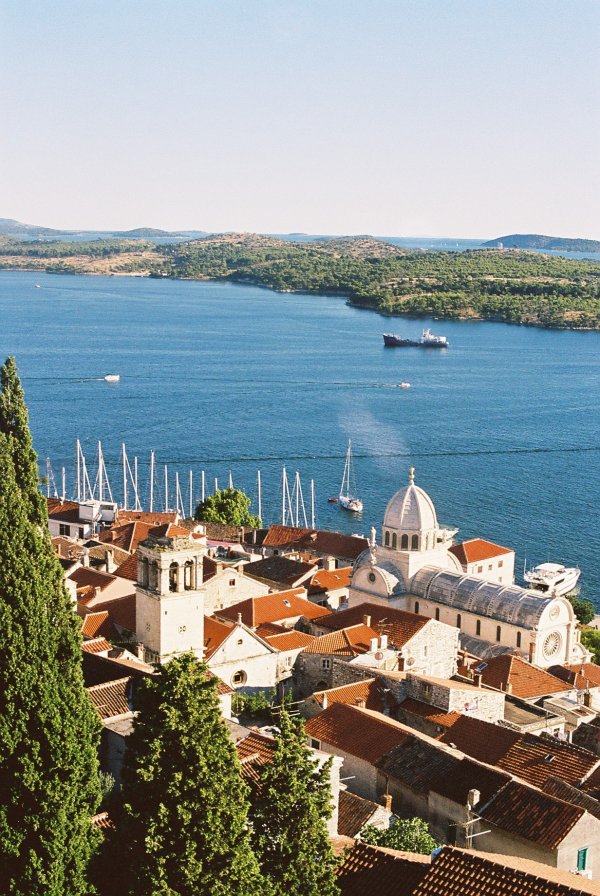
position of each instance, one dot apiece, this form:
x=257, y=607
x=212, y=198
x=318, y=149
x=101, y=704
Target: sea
x=503, y=427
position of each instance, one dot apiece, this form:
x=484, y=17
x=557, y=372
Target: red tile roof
x=351, y=641
x=398, y=625
x=430, y=713
x=319, y=541
x=215, y=632
x=97, y=624
x=111, y=699
x=537, y=758
x=96, y=645
x=128, y=569
x=359, y=732
x=292, y=640
x=270, y=628
x=126, y=536
x=63, y=511
x=285, y=572
x=579, y=675
x=330, y=580
x=278, y=536
x=354, y=813
x=272, y=608
x=527, y=813
x=102, y=822
x=154, y=519
x=481, y=740
x=367, y=870
x=526, y=680
x=169, y=530
x=121, y=611
x=457, y=872
x=369, y=692
x=86, y=576
x=475, y=549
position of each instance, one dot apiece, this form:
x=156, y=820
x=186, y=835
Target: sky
x=463, y=118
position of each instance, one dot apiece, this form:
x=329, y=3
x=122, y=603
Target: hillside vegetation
x=509, y=285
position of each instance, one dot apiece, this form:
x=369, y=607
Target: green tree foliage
x=230, y=506
x=584, y=609
x=590, y=638
x=49, y=785
x=14, y=421
x=405, y=834
x=183, y=826
x=290, y=806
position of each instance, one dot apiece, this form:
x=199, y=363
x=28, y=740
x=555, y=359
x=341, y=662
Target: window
x=315, y=744
x=498, y=633
x=437, y=613
x=458, y=620
x=478, y=627
x=416, y=606
x=240, y=641
x=500, y=564
x=423, y=655
x=81, y=531
x=63, y=529
x=232, y=583
x=173, y=576
x=582, y=858
x=480, y=569
x=372, y=577
x=414, y=543
x=404, y=543
x=394, y=541
x=387, y=539
x=490, y=566
x=325, y=664
x=188, y=575
x=239, y=678
x=518, y=639
x=288, y=662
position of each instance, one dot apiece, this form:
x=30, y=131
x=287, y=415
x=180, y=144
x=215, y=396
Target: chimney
x=367, y=621
x=329, y=564
x=239, y=618
x=587, y=699
x=241, y=534
x=508, y=688
x=362, y=704
x=373, y=646
x=477, y=679
x=85, y=557
x=386, y=802
x=383, y=642
x=473, y=798
x=325, y=701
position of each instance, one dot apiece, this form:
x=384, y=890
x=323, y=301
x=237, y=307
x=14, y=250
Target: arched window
x=478, y=627
x=387, y=538
x=416, y=606
x=498, y=633
x=437, y=613
x=188, y=575
x=153, y=576
x=394, y=541
x=518, y=639
x=144, y=572
x=458, y=620
x=414, y=543
x=173, y=576
x=404, y=543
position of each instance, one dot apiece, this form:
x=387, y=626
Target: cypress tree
x=48, y=730
x=290, y=806
x=14, y=421
x=183, y=828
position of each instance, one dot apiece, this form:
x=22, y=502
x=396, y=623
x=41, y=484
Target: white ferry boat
x=553, y=578
x=112, y=378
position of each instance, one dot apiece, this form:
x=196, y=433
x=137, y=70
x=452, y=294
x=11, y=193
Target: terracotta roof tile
x=126, y=536
x=318, y=541
x=102, y=822
x=562, y=791
x=272, y=608
x=169, y=530
x=97, y=624
x=330, y=580
x=87, y=576
x=354, y=813
x=280, y=569
x=63, y=511
x=398, y=625
x=368, y=870
x=154, y=519
x=481, y=740
x=359, y=732
x=351, y=641
x=215, y=632
x=579, y=675
x=456, y=872
x=369, y=691
x=67, y=549
x=96, y=645
x=278, y=536
x=526, y=680
x=430, y=713
x=98, y=669
x=128, y=569
x=292, y=640
x=266, y=629
x=475, y=549
x=532, y=815
x=537, y=758
x=111, y=699
x=121, y=611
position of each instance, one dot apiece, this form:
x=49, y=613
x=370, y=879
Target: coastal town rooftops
x=111, y=698
x=354, y=813
x=319, y=541
x=429, y=713
x=506, y=603
x=63, y=511
x=509, y=672
x=275, y=607
x=289, y=640
x=84, y=576
x=98, y=624
x=369, y=692
x=378, y=871
x=398, y=625
x=461, y=872
x=126, y=536
x=359, y=732
x=578, y=675
x=153, y=518
x=281, y=570
x=128, y=569
x=475, y=549
x=352, y=641
x=330, y=580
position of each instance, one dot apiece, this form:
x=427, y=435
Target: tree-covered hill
x=539, y=241
x=508, y=285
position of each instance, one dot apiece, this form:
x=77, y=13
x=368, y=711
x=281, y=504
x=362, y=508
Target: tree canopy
x=49, y=786
x=230, y=506
x=405, y=834
x=290, y=807
x=183, y=826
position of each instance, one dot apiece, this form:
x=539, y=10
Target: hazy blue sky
x=437, y=117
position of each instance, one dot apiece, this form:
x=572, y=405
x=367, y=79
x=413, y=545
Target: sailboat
x=345, y=499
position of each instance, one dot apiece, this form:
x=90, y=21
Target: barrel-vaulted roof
x=506, y=603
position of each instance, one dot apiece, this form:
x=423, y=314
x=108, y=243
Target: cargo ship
x=427, y=340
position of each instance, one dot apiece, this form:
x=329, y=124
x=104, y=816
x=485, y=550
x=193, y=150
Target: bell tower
x=169, y=601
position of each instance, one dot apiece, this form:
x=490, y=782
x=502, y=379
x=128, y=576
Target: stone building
x=415, y=570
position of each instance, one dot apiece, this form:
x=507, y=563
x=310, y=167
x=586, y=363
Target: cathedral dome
x=410, y=509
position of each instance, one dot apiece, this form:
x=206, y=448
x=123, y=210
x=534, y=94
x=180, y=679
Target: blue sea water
x=503, y=427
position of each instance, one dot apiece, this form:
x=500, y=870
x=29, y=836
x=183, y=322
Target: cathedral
x=414, y=569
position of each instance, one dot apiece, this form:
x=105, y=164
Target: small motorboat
x=404, y=385
x=37, y=286
x=112, y=378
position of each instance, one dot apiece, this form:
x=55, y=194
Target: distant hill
x=18, y=230
x=538, y=241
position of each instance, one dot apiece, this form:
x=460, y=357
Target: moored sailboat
x=345, y=498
